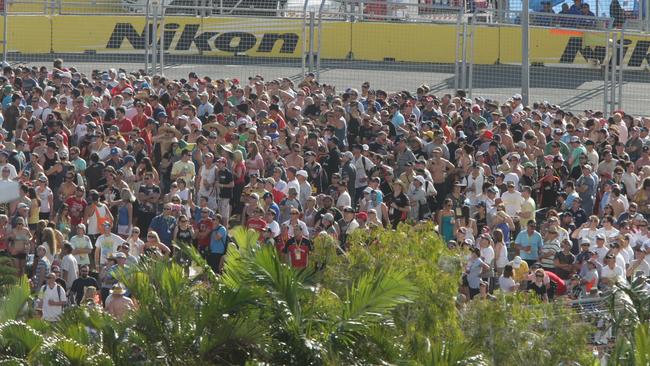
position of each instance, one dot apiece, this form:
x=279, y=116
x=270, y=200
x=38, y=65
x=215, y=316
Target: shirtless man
x=616, y=200
x=294, y=158
x=439, y=167
x=119, y=305
x=68, y=187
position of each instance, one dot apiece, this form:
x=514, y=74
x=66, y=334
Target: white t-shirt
x=44, y=196
x=506, y=283
x=511, y=177
x=81, y=242
x=612, y=274
x=69, y=264
x=610, y=234
x=643, y=267
x=52, y=313
x=293, y=184
x=107, y=244
x=487, y=254
x=135, y=247
x=512, y=201
x=12, y=170
x=303, y=227
x=602, y=252
x=589, y=234
x=275, y=228
x=344, y=200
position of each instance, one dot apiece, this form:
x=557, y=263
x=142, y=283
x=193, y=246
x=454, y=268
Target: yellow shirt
x=520, y=274
x=184, y=170
x=34, y=212
x=527, y=205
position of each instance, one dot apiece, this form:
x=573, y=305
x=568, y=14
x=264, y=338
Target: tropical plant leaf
x=453, y=354
x=12, y=304
x=76, y=353
x=21, y=339
x=642, y=344
x=376, y=293
x=282, y=281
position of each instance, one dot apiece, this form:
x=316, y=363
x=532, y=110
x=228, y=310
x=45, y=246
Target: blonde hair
x=237, y=156
x=49, y=236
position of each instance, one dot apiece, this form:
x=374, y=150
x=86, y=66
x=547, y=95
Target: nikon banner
x=263, y=37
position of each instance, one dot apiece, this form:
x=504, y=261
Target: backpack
x=363, y=162
x=58, y=293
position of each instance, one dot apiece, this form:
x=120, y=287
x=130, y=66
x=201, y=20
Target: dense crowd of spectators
x=115, y=166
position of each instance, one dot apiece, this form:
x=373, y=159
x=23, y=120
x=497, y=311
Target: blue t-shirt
x=534, y=242
x=164, y=226
x=218, y=246
x=123, y=215
x=398, y=120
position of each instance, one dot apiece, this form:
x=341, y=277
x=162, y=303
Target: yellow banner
x=283, y=38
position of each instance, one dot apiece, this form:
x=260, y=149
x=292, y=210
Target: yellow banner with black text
x=282, y=38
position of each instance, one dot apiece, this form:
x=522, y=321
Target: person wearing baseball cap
x=586, y=188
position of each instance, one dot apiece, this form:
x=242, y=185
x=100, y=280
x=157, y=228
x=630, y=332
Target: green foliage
x=390, y=299
x=512, y=331
x=14, y=300
x=7, y=274
x=630, y=304
x=420, y=255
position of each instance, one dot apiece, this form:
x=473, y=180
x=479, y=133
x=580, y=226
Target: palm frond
x=453, y=354
x=281, y=281
x=12, y=304
x=74, y=352
x=21, y=339
x=376, y=293
x=246, y=239
x=12, y=361
x=642, y=344
x=228, y=332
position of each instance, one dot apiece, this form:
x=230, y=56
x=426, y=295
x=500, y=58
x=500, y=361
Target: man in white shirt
x=475, y=182
x=512, y=199
x=305, y=187
x=640, y=265
x=608, y=229
x=105, y=245
x=53, y=299
x=363, y=165
x=4, y=157
x=600, y=248
x=69, y=265
x=292, y=181
x=611, y=273
x=344, y=198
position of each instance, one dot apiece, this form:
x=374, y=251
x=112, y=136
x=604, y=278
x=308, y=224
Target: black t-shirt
x=293, y=241
x=147, y=190
x=225, y=177
x=564, y=259
x=185, y=235
x=312, y=110
x=112, y=192
x=377, y=148
x=579, y=216
x=79, y=285
x=140, y=155
x=94, y=173
x=109, y=115
x=402, y=201
x=539, y=290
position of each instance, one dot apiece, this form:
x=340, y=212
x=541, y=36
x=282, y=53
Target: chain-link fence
x=579, y=62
